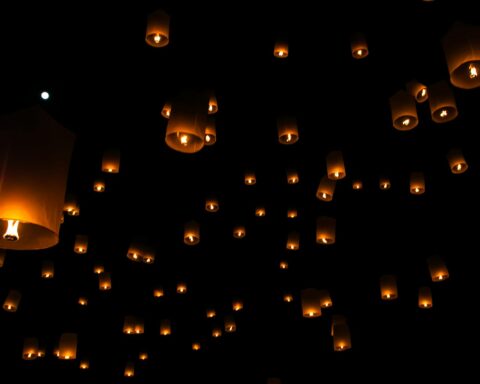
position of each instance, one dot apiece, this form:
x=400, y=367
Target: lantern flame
x=11, y=234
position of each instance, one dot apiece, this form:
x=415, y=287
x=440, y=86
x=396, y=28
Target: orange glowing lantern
x=165, y=327
x=250, y=178
x=287, y=130
x=34, y=158
x=70, y=206
x=239, y=232
x=167, y=110
x=287, y=297
x=191, y=234
x=12, y=301
x=158, y=292
x=260, y=212
x=292, y=213
x=325, y=189
x=212, y=205
x=359, y=46
x=311, y=303
x=81, y=244
x=326, y=230
x=84, y=364
x=230, y=324
x=99, y=186
x=129, y=369
x=211, y=313
x=237, y=305
x=216, y=332
x=341, y=337
x=388, y=287
x=196, y=346
x=141, y=252
x=443, y=107
x=335, y=166
x=283, y=264
x=325, y=299
x=143, y=356
x=357, y=184
x=67, y=347
x=418, y=91
x=417, y=183
x=457, y=161
x=111, y=161
x=30, y=348
x=384, y=183
x=280, y=50
x=83, y=301
x=210, y=133
x=98, y=269
x=158, y=29
x=181, y=288
x=212, y=105
x=404, y=111
x=293, y=241
x=48, y=269
x=133, y=326
x=292, y=176
x=105, y=281
x=438, y=269
x=425, y=298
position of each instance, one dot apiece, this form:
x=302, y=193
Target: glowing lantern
x=2, y=257
x=181, y=288
x=325, y=189
x=237, y=305
x=212, y=105
x=158, y=292
x=210, y=133
x=341, y=337
x=418, y=91
x=311, y=303
x=111, y=161
x=359, y=46
x=81, y=244
x=167, y=110
x=425, y=297
x=288, y=297
x=230, y=325
x=141, y=253
x=417, y=183
x=99, y=186
x=280, y=50
x=30, y=348
x=212, y=205
x=325, y=299
x=105, y=281
x=239, y=232
x=260, y=212
x=133, y=326
x=287, y=130
x=335, y=165
x=98, y=269
x=47, y=269
x=438, y=269
x=293, y=241
x=196, y=346
x=71, y=207
x=12, y=301
x=283, y=264
x=457, y=161
x=442, y=103
x=84, y=364
x=211, y=313
x=388, y=287
x=143, y=356
x=191, y=234
x=34, y=158
x=165, y=327
x=326, y=230
x=292, y=176
x=292, y=213
x=384, y=183
x=83, y=301
x=404, y=111
x=216, y=332
x=357, y=184
x=250, y=178
x=129, y=369
x=462, y=50
x=67, y=347
x=158, y=29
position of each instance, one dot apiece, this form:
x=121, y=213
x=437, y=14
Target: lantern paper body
x=12, y=301
x=292, y=213
x=417, y=183
x=98, y=269
x=293, y=241
x=325, y=189
x=230, y=325
x=211, y=313
x=443, y=107
x=359, y=46
x=129, y=370
x=418, y=91
x=287, y=297
x=34, y=158
x=239, y=232
x=83, y=301
x=165, y=327
x=212, y=105
x=283, y=264
x=404, y=111
x=81, y=244
x=462, y=50
x=166, y=110
x=48, y=269
x=191, y=234
x=158, y=29
x=260, y=212
x=438, y=269
x=158, y=292
x=311, y=303
x=84, y=364
x=210, y=133
x=216, y=332
x=287, y=130
x=456, y=161
x=67, y=347
x=133, y=326
x=425, y=298
x=181, y=288
x=384, y=183
x=357, y=184
x=104, y=281
x=237, y=305
x=30, y=348
x=326, y=230
x=388, y=287
x=335, y=166
x=341, y=337
x=111, y=161
x=196, y=346
x=280, y=50
x=143, y=356
x=71, y=207
x=99, y=186
x=212, y=205
x=250, y=178
x=325, y=299
x=141, y=253
x=292, y=176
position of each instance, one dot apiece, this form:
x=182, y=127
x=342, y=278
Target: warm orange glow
x=111, y=161
x=288, y=298
x=388, y=287
x=157, y=38
x=326, y=230
x=237, y=305
x=260, y=212
x=357, y=185
x=425, y=298
x=311, y=303
x=423, y=92
x=292, y=213
x=181, y=288
x=216, y=332
x=211, y=313
x=359, y=46
x=143, y=356
x=335, y=165
x=280, y=50
x=84, y=365
x=67, y=347
x=417, y=183
x=158, y=292
x=239, y=232
x=129, y=370
x=11, y=234
x=98, y=269
x=443, y=113
x=81, y=244
x=158, y=29
x=166, y=110
x=191, y=235
x=457, y=161
x=99, y=186
x=472, y=71
x=250, y=178
x=196, y=346
x=438, y=269
x=212, y=205
x=83, y=301
x=212, y=105
x=104, y=281
x=12, y=301
x=283, y=264
x=165, y=328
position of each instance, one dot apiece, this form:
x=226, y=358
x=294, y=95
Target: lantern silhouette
x=357, y=184
x=158, y=29
x=250, y=178
x=81, y=244
x=83, y=301
x=12, y=301
x=292, y=213
x=30, y=348
x=325, y=299
x=2, y=257
x=191, y=234
x=388, y=287
x=335, y=166
x=292, y=176
x=417, y=183
x=216, y=332
x=166, y=110
x=210, y=132
x=84, y=364
x=196, y=346
x=212, y=205
x=336, y=320
x=359, y=46
x=67, y=347
x=98, y=269
x=287, y=130
x=143, y=356
x=326, y=230
x=288, y=297
x=133, y=326
x=283, y=264
x=181, y=288
x=230, y=324
x=341, y=337
x=461, y=45
x=237, y=305
x=158, y=292
x=239, y=232
x=456, y=161
x=141, y=252
x=384, y=183
x=260, y=211
x=211, y=313
x=404, y=111
x=418, y=91
x=438, y=269
x=165, y=327
x=280, y=50
x=111, y=161
x=443, y=107
x=212, y=105
x=48, y=269
x=425, y=298
x=325, y=189
x=311, y=303
x=129, y=369
x=293, y=241
x=105, y=281
x=34, y=158
x=99, y=186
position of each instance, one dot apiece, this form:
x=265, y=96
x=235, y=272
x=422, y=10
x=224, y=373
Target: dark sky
x=108, y=87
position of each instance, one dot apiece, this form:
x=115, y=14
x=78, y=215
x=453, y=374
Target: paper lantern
x=48, y=269
x=288, y=297
x=98, y=269
x=384, y=183
x=158, y=292
x=260, y=212
x=211, y=313
x=417, y=183
x=81, y=244
x=293, y=241
x=158, y=29
x=129, y=369
x=191, y=234
x=84, y=364
x=143, y=356
x=196, y=346
x=216, y=332
x=280, y=50
x=181, y=288
x=404, y=111
x=237, y=305
x=418, y=91
x=30, y=348
x=438, y=269
x=357, y=184
x=133, y=326
x=210, y=133
x=99, y=185
x=457, y=161
x=335, y=165
x=230, y=324
x=425, y=298
x=283, y=264
x=140, y=252
x=443, y=107
x=239, y=232
x=212, y=205
x=292, y=213
x=341, y=337
x=105, y=281
x=388, y=287
x=462, y=50
x=83, y=301
x=287, y=130
x=325, y=189
x=165, y=327
x=311, y=303
x=359, y=46
x=212, y=105
x=34, y=158
x=166, y=110
x=111, y=161
x=326, y=230
x=292, y=176
x=325, y=299
x=70, y=206
x=250, y=178
x=67, y=347
x=12, y=301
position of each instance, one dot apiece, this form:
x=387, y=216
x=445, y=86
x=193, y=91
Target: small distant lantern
x=293, y=241
x=250, y=178
x=341, y=337
x=2, y=257
x=196, y=346
x=12, y=301
x=83, y=301
x=438, y=269
x=359, y=46
x=260, y=212
x=211, y=313
x=111, y=161
x=335, y=165
x=292, y=176
x=99, y=185
x=67, y=347
x=281, y=50
x=143, y=356
x=417, y=183
x=462, y=50
x=70, y=206
x=287, y=297
x=230, y=324
x=167, y=110
x=404, y=111
x=239, y=232
x=283, y=264
x=384, y=183
x=141, y=252
x=388, y=287
x=212, y=105
x=129, y=369
x=158, y=29
x=292, y=213
x=216, y=332
x=357, y=184
x=237, y=305
x=457, y=161
x=210, y=132
x=165, y=327
x=181, y=288
x=84, y=364
x=325, y=189
x=105, y=281
x=191, y=234
x=442, y=103
x=30, y=348
x=418, y=91
x=81, y=244
x=287, y=130
x=311, y=303
x=325, y=299
x=48, y=269
x=98, y=269
x=133, y=326
x=425, y=298
x=158, y=292
x=212, y=205
x=326, y=230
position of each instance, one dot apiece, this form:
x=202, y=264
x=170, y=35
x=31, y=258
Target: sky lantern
x=438, y=269
x=443, y=107
x=457, y=161
x=67, y=347
x=81, y=244
x=210, y=132
x=359, y=46
x=30, y=348
x=335, y=165
x=418, y=91
x=425, y=298
x=417, y=183
x=325, y=189
x=167, y=110
x=12, y=301
x=404, y=111
x=158, y=29
x=111, y=161
x=388, y=287
x=311, y=303
x=293, y=241
x=280, y=50
x=287, y=130
x=341, y=337
x=191, y=233
x=48, y=269
x=326, y=230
